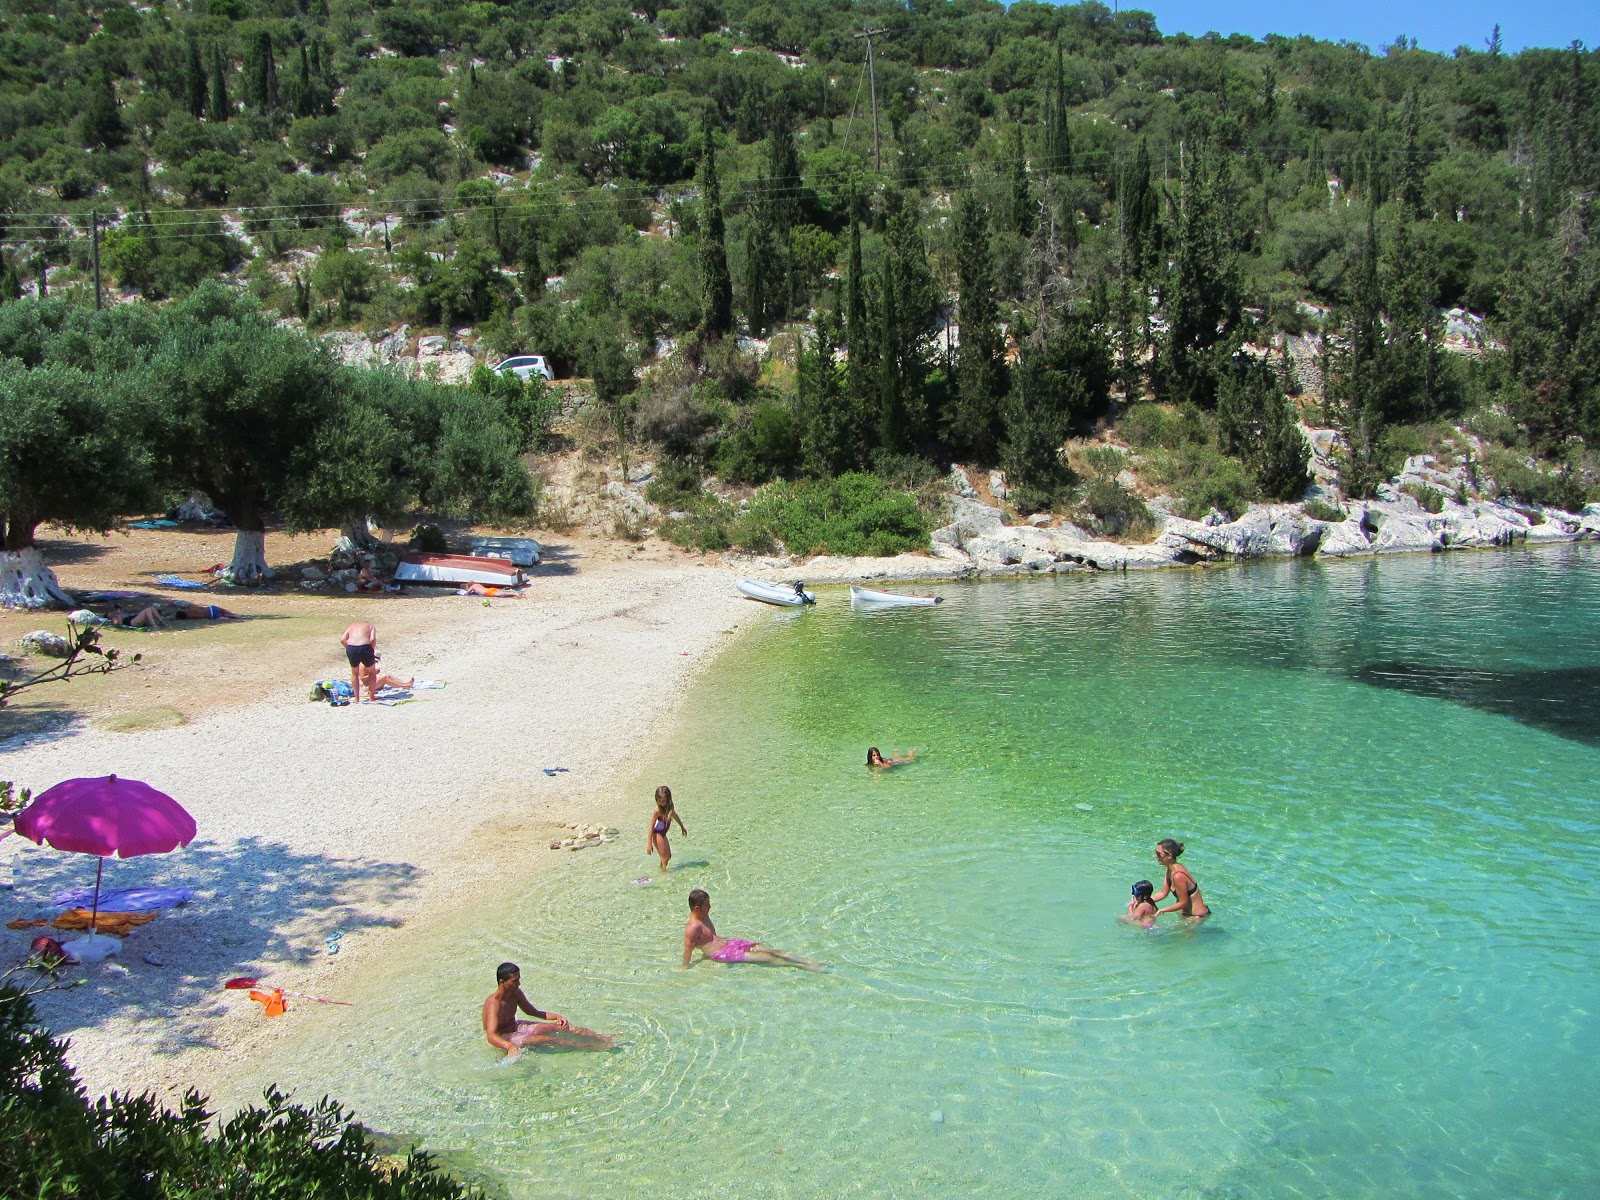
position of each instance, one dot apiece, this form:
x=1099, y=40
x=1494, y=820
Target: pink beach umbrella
x=105, y=816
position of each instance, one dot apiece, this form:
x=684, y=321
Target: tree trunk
x=249, y=565
x=358, y=532
x=25, y=582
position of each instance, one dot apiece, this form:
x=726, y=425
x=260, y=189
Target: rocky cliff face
x=976, y=540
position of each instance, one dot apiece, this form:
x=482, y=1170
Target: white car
x=525, y=366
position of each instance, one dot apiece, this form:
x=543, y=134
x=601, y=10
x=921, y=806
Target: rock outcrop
x=977, y=540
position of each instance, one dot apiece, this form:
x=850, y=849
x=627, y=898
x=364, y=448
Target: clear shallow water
x=1388, y=803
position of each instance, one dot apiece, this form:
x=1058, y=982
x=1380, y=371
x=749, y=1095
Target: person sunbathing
x=505, y=1032
x=188, y=611
x=146, y=618
x=478, y=589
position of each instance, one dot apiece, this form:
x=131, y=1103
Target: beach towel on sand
x=134, y=899
x=174, y=581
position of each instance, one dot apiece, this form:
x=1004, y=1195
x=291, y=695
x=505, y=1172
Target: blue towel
x=138, y=899
x=172, y=581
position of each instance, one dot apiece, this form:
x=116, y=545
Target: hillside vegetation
x=1062, y=224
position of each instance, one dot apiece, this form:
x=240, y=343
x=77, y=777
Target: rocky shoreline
x=977, y=540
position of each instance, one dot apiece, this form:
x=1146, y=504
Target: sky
x=1437, y=25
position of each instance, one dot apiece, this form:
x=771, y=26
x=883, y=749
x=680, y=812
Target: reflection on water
x=1563, y=700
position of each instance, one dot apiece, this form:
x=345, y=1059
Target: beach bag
x=335, y=691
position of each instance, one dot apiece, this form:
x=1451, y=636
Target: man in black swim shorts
x=360, y=643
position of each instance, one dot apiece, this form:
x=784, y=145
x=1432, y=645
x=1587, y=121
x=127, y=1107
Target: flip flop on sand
x=553, y=770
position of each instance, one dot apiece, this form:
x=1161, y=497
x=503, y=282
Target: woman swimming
x=1179, y=883
x=1141, y=909
x=876, y=759
x=660, y=822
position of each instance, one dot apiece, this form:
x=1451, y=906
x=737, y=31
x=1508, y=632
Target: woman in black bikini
x=660, y=823
x=1179, y=883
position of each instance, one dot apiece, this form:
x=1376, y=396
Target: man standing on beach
x=505, y=1032
x=360, y=642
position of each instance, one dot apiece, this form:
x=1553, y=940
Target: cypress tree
x=1021, y=196
x=916, y=301
x=261, y=76
x=531, y=275
x=1201, y=299
x=782, y=198
x=892, y=418
x=100, y=124
x=759, y=254
x=861, y=371
x=1139, y=209
x=716, y=315
x=220, y=107
x=971, y=425
x=831, y=440
x=10, y=281
x=306, y=102
x=194, y=81
x=1256, y=424
x=1354, y=379
x=1410, y=149
x=1057, y=133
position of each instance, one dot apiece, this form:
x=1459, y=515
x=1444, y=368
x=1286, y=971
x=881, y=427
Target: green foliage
x=58, y=1143
x=530, y=407
x=1515, y=479
x=146, y=256
x=853, y=514
x=763, y=445
x=1318, y=510
x=1431, y=499
x=429, y=539
x=1256, y=424
x=1116, y=511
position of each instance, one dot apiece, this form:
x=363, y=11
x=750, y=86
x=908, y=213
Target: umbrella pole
x=94, y=917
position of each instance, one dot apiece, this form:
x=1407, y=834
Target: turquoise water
x=1385, y=773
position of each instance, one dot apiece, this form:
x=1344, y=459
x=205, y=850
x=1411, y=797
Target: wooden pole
x=872, y=77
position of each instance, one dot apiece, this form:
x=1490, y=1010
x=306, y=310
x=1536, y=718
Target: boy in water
x=505, y=1032
x=702, y=934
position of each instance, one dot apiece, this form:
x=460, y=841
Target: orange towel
x=76, y=919
x=272, y=1001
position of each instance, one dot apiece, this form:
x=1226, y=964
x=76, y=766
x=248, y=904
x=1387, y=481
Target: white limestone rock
x=1400, y=533
x=961, y=484
x=1343, y=539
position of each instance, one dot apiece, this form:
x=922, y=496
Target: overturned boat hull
x=456, y=569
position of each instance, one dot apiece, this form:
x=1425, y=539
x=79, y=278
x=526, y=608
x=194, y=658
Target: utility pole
x=872, y=76
x=94, y=251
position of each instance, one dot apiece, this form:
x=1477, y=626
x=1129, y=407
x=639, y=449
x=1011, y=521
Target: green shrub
x=429, y=539
x=1156, y=426
x=1431, y=499
x=1514, y=479
x=1204, y=478
x=1317, y=510
x=1116, y=511
x=676, y=484
x=1107, y=460
x=764, y=446
x=853, y=514
x=58, y=1144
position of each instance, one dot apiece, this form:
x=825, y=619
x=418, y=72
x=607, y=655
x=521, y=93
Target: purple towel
x=139, y=899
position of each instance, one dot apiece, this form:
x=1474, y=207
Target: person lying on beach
x=700, y=934
x=146, y=618
x=876, y=759
x=1179, y=883
x=478, y=589
x=660, y=823
x=185, y=611
x=1141, y=909
x=505, y=1032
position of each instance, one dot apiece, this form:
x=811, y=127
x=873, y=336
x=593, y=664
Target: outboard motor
x=800, y=590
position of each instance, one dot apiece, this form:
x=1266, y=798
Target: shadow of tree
x=556, y=560
x=34, y=722
x=58, y=553
x=261, y=908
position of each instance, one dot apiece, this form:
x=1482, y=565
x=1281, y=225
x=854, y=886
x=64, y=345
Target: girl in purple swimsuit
x=660, y=823
x=701, y=934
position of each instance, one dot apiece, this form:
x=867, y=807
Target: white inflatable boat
x=790, y=596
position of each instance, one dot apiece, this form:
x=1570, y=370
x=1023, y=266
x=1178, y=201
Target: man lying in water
x=505, y=1032
x=701, y=934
